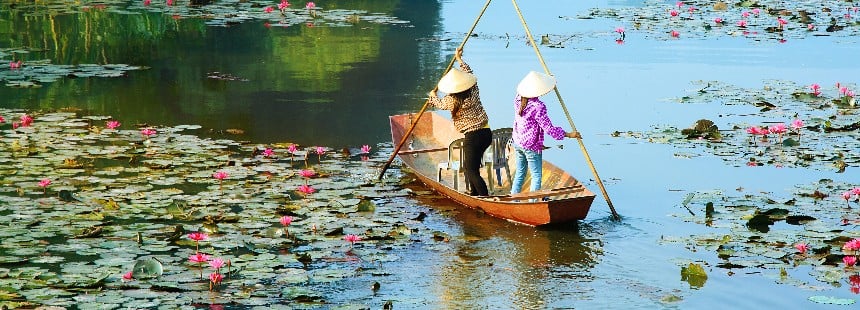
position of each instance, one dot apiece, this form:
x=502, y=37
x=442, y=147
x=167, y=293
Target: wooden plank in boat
x=428, y=150
x=542, y=193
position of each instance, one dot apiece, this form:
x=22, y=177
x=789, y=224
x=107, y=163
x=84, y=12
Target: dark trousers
x=474, y=145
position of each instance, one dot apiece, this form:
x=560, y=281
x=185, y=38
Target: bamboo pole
x=427, y=102
x=566, y=113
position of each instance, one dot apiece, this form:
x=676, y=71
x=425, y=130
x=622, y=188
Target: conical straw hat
x=456, y=81
x=535, y=84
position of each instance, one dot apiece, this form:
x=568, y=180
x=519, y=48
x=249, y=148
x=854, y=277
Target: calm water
x=336, y=86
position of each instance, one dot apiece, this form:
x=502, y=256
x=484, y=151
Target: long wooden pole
x=566, y=113
x=427, y=102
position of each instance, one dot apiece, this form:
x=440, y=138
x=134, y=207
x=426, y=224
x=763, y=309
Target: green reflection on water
x=298, y=83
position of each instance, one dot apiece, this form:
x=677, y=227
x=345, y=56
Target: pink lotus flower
x=619, y=30
x=286, y=220
x=15, y=125
x=777, y=129
x=674, y=33
x=718, y=20
x=852, y=245
x=128, y=276
x=856, y=191
x=673, y=13
x=112, y=124
x=797, y=124
x=268, y=9
x=292, y=148
x=849, y=260
x=679, y=4
x=306, y=189
x=801, y=247
x=352, y=239
x=816, y=89
x=756, y=11
x=169, y=2
x=307, y=173
x=2, y=120
x=26, y=120
x=781, y=22
x=147, y=132
x=745, y=14
x=268, y=152
x=15, y=65
x=810, y=27
x=147, y=2
x=215, y=278
x=310, y=5
x=742, y=23
x=847, y=196
x=691, y=9
x=283, y=5
x=44, y=182
x=366, y=148
x=216, y=263
x=320, y=150
x=198, y=258
x=197, y=237
x=220, y=175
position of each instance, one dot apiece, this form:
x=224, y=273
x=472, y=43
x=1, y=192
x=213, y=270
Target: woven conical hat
x=535, y=84
x=456, y=81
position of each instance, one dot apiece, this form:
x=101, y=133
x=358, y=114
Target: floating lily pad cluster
x=757, y=20
x=827, y=140
x=35, y=73
x=761, y=231
x=119, y=200
x=216, y=13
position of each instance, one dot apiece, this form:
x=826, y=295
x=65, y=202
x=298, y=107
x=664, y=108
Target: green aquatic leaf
x=831, y=300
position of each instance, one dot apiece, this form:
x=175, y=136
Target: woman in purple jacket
x=530, y=124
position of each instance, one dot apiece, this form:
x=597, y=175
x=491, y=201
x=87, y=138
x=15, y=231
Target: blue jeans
x=534, y=161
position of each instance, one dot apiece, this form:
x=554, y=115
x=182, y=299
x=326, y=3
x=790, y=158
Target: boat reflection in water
x=503, y=265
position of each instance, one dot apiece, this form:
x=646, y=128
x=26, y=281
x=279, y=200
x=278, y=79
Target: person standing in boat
x=531, y=122
x=470, y=118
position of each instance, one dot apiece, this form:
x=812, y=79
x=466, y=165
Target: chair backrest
x=502, y=137
x=455, y=145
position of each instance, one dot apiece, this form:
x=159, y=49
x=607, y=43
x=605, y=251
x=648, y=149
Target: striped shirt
x=529, y=128
x=470, y=115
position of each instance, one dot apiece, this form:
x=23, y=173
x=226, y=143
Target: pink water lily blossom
x=810, y=27
x=816, y=89
x=283, y=5
x=673, y=13
x=128, y=276
x=718, y=20
x=802, y=247
x=268, y=9
x=147, y=2
x=675, y=33
x=198, y=258
x=745, y=14
x=852, y=245
x=320, y=150
x=26, y=120
x=268, y=152
x=365, y=149
x=310, y=5
x=112, y=124
x=680, y=4
x=216, y=263
x=756, y=11
x=147, y=132
x=44, y=182
x=2, y=120
x=352, y=239
x=856, y=191
x=781, y=22
x=15, y=64
x=849, y=260
x=286, y=220
x=619, y=30
x=307, y=189
x=215, y=278
x=292, y=148
x=220, y=175
x=797, y=124
x=742, y=23
x=307, y=173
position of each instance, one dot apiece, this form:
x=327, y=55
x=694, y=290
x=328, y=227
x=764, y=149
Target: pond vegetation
x=101, y=214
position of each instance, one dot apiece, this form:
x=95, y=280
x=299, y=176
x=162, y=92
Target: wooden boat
x=432, y=155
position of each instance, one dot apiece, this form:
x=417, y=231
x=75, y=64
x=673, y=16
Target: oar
x=427, y=102
x=569, y=119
